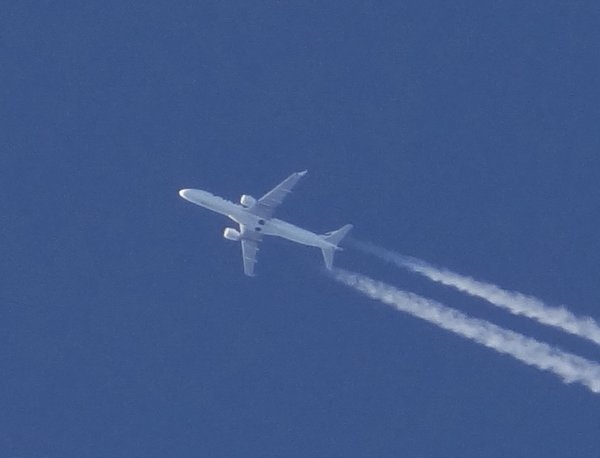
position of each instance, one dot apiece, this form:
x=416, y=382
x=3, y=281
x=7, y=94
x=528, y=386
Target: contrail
x=515, y=303
x=569, y=367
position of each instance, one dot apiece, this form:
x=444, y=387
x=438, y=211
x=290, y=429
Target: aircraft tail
x=334, y=238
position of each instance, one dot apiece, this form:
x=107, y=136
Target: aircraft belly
x=290, y=232
x=215, y=203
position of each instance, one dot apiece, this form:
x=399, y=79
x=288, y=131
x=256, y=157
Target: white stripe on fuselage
x=241, y=215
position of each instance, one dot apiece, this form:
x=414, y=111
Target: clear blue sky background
x=465, y=133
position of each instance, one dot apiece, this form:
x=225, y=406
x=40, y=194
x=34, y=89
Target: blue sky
x=462, y=133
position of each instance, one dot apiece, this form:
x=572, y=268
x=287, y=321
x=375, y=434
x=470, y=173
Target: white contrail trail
x=515, y=303
x=569, y=367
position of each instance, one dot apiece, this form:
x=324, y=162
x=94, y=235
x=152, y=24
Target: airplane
x=255, y=219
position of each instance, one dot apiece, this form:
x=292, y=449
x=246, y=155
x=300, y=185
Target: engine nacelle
x=231, y=234
x=247, y=201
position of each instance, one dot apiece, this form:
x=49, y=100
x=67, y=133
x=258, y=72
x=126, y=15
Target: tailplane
x=334, y=238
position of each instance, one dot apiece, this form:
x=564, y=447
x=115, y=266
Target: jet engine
x=247, y=201
x=231, y=234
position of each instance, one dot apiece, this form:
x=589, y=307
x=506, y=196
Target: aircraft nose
x=184, y=193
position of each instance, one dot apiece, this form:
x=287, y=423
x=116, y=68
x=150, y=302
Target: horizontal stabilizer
x=328, y=257
x=334, y=238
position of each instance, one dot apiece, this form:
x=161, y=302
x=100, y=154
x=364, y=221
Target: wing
x=267, y=204
x=250, y=241
x=249, y=250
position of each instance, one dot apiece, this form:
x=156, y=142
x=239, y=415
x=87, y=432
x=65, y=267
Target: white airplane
x=255, y=218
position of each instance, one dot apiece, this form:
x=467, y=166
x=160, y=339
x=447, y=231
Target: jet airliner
x=255, y=220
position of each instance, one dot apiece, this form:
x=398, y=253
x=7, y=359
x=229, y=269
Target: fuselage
x=242, y=215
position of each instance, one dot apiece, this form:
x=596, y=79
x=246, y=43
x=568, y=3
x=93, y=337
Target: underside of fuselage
x=278, y=228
